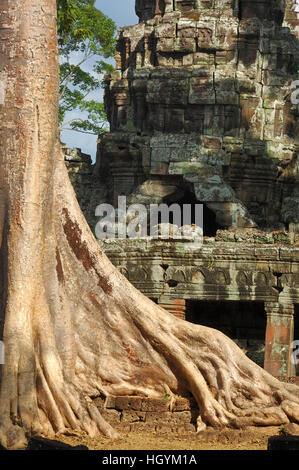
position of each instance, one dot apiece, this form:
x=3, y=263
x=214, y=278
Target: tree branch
x=77, y=130
x=68, y=77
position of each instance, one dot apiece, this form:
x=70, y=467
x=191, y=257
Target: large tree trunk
x=72, y=325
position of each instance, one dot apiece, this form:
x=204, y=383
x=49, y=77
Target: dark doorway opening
x=243, y=322
x=210, y=226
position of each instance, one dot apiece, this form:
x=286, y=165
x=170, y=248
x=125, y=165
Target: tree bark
x=72, y=325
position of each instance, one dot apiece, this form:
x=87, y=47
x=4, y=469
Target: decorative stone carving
x=217, y=264
x=198, y=276
x=238, y=266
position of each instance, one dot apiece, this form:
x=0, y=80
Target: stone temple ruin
x=200, y=111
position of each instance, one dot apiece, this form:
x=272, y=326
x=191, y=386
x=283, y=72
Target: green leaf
x=87, y=32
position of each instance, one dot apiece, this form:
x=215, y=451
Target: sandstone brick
x=159, y=168
x=186, y=428
x=132, y=416
x=184, y=404
x=179, y=417
x=165, y=429
x=128, y=403
x=158, y=417
x=110, y=402
x=155, y=405
x=99, y=402
x=143, y=427
x=111, y=416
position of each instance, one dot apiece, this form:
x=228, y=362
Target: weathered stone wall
x=90, y=191
x=201, y=100
x=157, y=414
x=162, y=415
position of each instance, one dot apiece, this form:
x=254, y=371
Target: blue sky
x=121, y=11
x=123, y=14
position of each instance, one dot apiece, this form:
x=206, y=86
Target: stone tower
x=200, y=110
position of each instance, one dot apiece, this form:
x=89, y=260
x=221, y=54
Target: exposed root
x=67, y=409
x=12, y=436
x=200, y=425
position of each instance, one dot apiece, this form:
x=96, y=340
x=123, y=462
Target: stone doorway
x=185, y=196
x=243, y=322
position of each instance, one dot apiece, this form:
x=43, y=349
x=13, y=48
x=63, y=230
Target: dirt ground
x=252, y=438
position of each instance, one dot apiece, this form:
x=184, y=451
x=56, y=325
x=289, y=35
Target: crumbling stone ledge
x=135, y=413
x=257, y=237
x=248, y=237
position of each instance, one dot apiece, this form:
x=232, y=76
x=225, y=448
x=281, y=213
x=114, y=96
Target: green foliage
x=211, y=264
x=84, y=33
